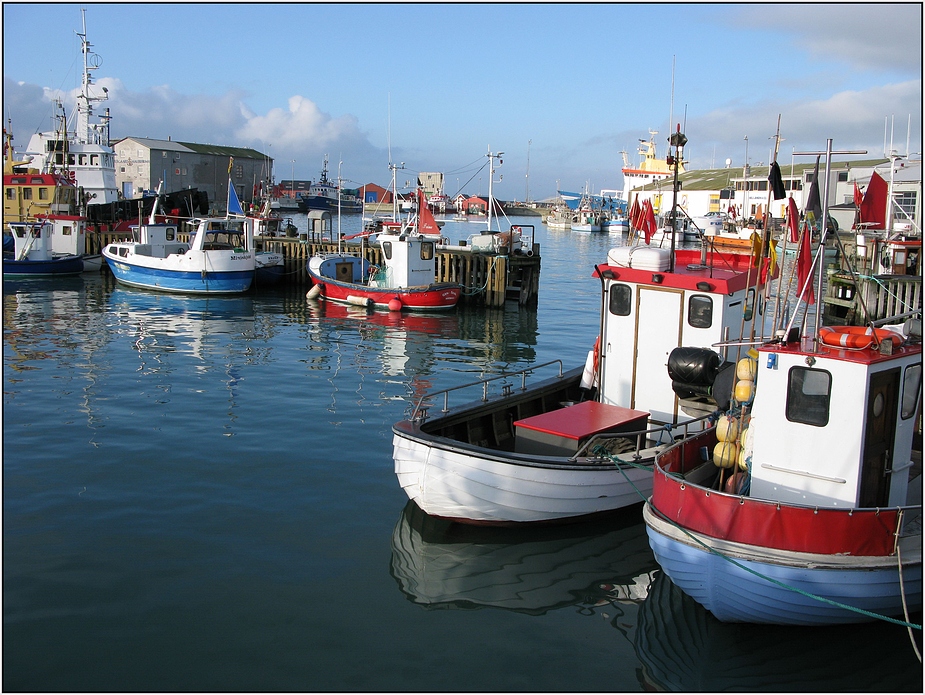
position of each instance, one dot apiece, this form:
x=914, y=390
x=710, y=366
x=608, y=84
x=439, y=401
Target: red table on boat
x=564, y=431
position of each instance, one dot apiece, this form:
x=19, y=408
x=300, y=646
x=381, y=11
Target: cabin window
x=66, y=230
x=171, y=233
x=71, y=160
x=387, y=250
x=27, y=194
x=43, y=193
x=621, y=298
x=11, y=194
x=912, y=385
x=427, y=250
x=700, y=311
x=808, y=396
x=82, y=159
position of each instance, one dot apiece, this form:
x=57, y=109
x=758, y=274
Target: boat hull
x=748, y=559
x=740, y=591
x=437, y=297
x=490, y=483
x=324, y=204
x=479, y=486
x=231, y=281
x=65, y=265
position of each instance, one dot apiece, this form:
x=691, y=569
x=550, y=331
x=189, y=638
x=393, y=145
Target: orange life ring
x=856, y=337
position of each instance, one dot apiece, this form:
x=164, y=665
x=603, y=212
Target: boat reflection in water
x=440, y=564
x=683, y=647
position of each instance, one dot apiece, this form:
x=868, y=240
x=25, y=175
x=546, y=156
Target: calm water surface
x=198, y=495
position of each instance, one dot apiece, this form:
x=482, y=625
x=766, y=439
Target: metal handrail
x=641, y=436
x=421, y=413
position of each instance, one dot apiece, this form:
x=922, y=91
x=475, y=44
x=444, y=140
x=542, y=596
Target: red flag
x=793, y=221
x=858, y=198
x=805, y=267
x=873, y=207
x=426, y=222
x=650, y=225
x=634, y=213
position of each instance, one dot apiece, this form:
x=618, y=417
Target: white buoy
x=359, y=301
x=314, y=292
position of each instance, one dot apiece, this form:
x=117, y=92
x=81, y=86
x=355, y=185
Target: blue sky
x=568, y=86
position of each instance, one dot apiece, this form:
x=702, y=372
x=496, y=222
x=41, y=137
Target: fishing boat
x=33, y=252
x=583, y=441
x=615, y=223
x=83, y=154
x=559, y=217
x=28, y=192
x=816, y=527
x=407, y=280
x=802, y=504
x=219, y=258
x=587, y=218
x=325, y=195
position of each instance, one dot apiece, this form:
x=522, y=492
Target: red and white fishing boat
x=583, y=442
x=407, y=280
x=828, y=526
x=803, y=505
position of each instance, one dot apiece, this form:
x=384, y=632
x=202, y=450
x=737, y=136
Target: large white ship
x=84, y=154
x=649, y=169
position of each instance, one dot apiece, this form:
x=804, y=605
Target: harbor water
x=198, y=495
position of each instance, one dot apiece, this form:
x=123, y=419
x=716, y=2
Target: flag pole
x=825, y=224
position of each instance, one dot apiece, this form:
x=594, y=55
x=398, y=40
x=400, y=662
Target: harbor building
x=743, y=191
x=143, y=162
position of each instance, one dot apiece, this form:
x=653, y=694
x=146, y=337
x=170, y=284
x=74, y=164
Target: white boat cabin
x=410, y=261
x=32, y=240
x=815, y=401
x=648, y=311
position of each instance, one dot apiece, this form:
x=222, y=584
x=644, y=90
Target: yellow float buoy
x=746, y=368
x=727, y=428
x=745, y=390
x=725, y=454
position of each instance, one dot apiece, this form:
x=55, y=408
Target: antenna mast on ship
x=87, y=133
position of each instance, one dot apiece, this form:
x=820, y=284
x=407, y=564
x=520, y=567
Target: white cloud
x=866, y=36
x=303, y=123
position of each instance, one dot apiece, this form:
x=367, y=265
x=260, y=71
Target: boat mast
x=491, y=178
x=825, y=227
x=88, y=134
x=677, y=140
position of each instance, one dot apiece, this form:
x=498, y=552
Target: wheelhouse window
x=809, y=396
x=912, y=387
x=621, y=300
x=427, y=250
x=387, y=250
x=700, y=311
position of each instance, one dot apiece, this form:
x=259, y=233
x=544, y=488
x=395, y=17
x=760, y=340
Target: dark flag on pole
x=813, y=206
x=777, y=182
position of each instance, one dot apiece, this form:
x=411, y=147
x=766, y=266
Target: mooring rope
x=777, y=582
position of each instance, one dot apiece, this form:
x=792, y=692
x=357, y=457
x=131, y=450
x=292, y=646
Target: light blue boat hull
x=734, y=594
x=187, y=282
